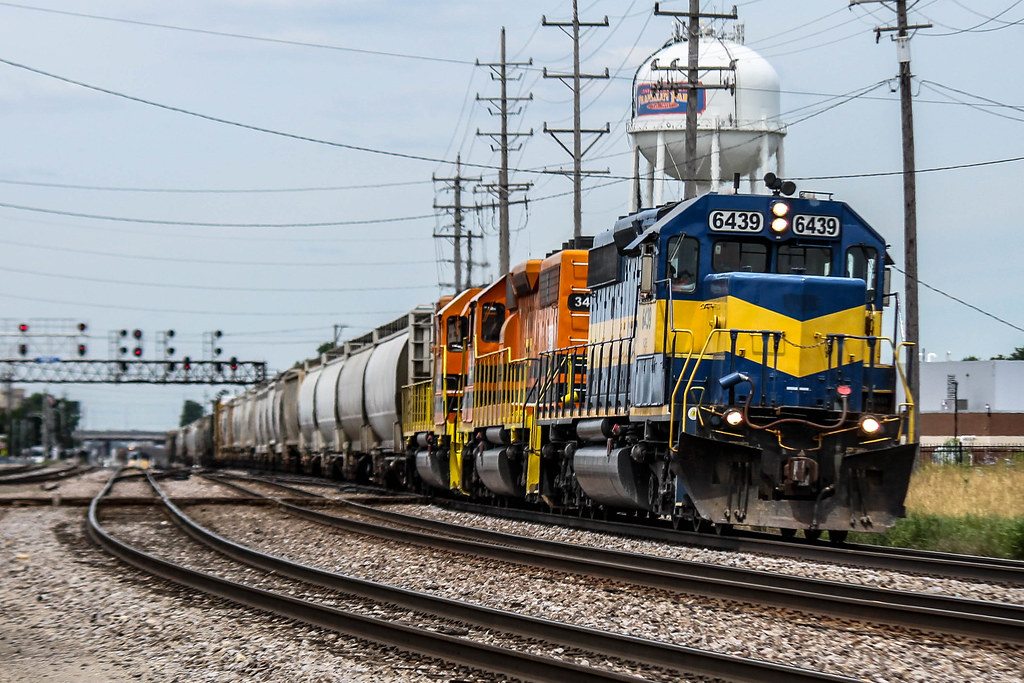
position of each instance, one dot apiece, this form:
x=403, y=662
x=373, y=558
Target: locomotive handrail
x=689, y=384
x=908, y=404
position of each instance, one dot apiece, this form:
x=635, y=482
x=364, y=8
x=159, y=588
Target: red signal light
x=23, y=327
x=81, y=349
x=187, y=363
x=234, y=363
x=137, y=351
x=23, y=349
x=137, y=334
x=82, y=327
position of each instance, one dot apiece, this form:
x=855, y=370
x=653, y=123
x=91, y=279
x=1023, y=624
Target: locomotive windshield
x=729, y=256
x=804, y=260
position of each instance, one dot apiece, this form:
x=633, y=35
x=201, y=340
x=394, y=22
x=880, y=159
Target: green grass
x=968, y=535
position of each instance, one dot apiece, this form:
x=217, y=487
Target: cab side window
x=491, y=318
x=862, y=262
x=681, y=259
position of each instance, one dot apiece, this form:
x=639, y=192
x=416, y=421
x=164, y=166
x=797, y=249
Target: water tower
x=738, y=127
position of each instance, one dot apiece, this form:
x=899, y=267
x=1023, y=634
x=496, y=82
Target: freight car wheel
x=837, y=537
x=812, y=534
x=722, y=529
x=787, y=533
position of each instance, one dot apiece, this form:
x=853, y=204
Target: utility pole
x=902, y=40
x=458, y=234
x=577, y=131
x=503, y=188
x=693, y=17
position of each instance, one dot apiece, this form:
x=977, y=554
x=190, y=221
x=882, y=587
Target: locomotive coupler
x=799, y=474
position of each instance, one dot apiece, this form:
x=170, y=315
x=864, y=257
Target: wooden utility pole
x=458, y=233
x=902, y=40
x=576, y=131
x=503, y=188
x=693, y=17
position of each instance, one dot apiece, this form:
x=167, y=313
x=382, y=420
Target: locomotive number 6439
x=816, y=226
x=735, y=221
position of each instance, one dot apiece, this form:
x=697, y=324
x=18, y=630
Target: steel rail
x=999, y=622
x=659, y=654
x=431, y=644
x=47, y=475
x=931, y=563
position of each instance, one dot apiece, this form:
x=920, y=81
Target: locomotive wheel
x=837, y=537
x=812, y=534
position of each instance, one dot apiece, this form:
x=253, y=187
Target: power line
x=169, y=190
x=961, y=301
x=171, y=259
x=227, y=314
x=227, y=34
x=219, y=288
x=153, y=221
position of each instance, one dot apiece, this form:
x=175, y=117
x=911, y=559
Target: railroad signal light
x=137, y=351
x=81, y=349
x=124, y=367
x=23, y=349
x=170, y=333
x=218, y=334
x=124, y=333
x=217, y=368
x=170, y=350
x=170, y=366
x=137, y=334
x=187, y=363
x=234, y=363
x=82, y=327
x=23, y=327
x=123, y=350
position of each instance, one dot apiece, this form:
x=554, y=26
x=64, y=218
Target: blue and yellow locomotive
x=736, y=371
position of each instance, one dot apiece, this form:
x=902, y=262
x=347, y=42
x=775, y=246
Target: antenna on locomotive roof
x=735, y=183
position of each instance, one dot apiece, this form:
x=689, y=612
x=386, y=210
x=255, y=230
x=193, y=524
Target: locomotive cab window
x=862, y=262
x=804, y=260
x=491, y=318
x=730, y=256
x=681, y=263
x=456, y=331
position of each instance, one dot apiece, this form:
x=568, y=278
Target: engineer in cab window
x=682, y=263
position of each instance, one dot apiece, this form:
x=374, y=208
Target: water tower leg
x=716, y=158
x=659, y=171
x=780, y=159
x=649, y=187
x=634, y=185
x=764, y=155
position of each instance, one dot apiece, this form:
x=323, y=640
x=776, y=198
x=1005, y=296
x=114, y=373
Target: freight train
x=718, y=361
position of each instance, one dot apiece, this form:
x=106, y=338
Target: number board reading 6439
x=816, y=226
x=735, y=221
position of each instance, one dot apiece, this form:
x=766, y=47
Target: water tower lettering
x=662, y=100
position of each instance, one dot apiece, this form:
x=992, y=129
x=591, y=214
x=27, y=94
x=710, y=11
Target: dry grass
x=954, y=491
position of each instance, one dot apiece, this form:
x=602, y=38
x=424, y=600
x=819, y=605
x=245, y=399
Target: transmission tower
x=502, y=189
x=577, y=131
x=458, y=233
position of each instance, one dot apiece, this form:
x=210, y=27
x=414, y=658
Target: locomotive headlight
x=779, y=224
x=870, y=424
x=780, y=209
x=734, y=418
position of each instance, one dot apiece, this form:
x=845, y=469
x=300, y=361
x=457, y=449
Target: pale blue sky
x=277, y=292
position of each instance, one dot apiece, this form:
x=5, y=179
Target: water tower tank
x=738, y=127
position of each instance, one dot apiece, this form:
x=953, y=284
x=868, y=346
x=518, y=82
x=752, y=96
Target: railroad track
x=969, y=567
x=458, y=650
x=999, y=622
x=47, y=474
